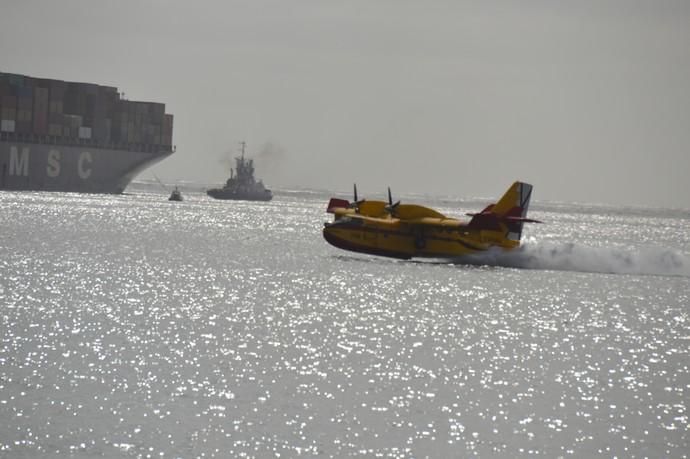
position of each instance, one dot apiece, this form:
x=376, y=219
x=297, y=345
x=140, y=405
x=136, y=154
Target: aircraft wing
x=352, y=215
x=363, y=208
x=372, y=208
x=414, y=212
x=435, y=222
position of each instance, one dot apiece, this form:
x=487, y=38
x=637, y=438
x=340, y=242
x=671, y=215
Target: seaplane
x=405, y=231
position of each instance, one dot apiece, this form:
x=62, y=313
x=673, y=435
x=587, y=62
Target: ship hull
x=84, y=169
x=220, y=193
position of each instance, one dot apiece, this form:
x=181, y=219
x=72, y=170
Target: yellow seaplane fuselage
x=408, y=230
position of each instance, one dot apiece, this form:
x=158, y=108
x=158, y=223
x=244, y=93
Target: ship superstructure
x=66, y=136
x=242, y=185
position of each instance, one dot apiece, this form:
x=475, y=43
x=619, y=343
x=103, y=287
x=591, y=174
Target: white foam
x=568, y=256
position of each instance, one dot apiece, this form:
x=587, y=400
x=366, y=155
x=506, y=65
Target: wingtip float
x=408, y=230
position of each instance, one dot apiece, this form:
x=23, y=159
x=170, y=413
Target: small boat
x=176, y=195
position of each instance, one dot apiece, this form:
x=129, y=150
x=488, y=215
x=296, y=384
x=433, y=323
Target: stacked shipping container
x=80, y=113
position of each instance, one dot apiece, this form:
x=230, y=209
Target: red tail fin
x=509, y=212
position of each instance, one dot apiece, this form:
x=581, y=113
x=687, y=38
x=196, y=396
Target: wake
x=650, y=261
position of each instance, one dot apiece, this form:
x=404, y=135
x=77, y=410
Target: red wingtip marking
x=335, y=202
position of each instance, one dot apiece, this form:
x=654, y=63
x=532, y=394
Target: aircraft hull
x=398, y=241
x=347, y=241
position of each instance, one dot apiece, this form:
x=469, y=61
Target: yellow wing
x=373, y=209
x=437, y=222
x=414, y=212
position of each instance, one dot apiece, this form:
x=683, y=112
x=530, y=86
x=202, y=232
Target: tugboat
x=242, y=185
x=176, y=195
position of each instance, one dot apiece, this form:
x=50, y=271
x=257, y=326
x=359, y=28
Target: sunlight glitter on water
x=136, y=327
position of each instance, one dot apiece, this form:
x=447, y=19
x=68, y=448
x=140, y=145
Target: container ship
x=65, y=136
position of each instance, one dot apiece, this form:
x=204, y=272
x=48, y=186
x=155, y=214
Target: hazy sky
x=588, y=100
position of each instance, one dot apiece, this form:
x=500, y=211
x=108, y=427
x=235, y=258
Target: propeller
x=355, y=204
x=390, y=208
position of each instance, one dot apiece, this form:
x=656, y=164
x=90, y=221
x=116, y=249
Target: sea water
x=131, y=326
